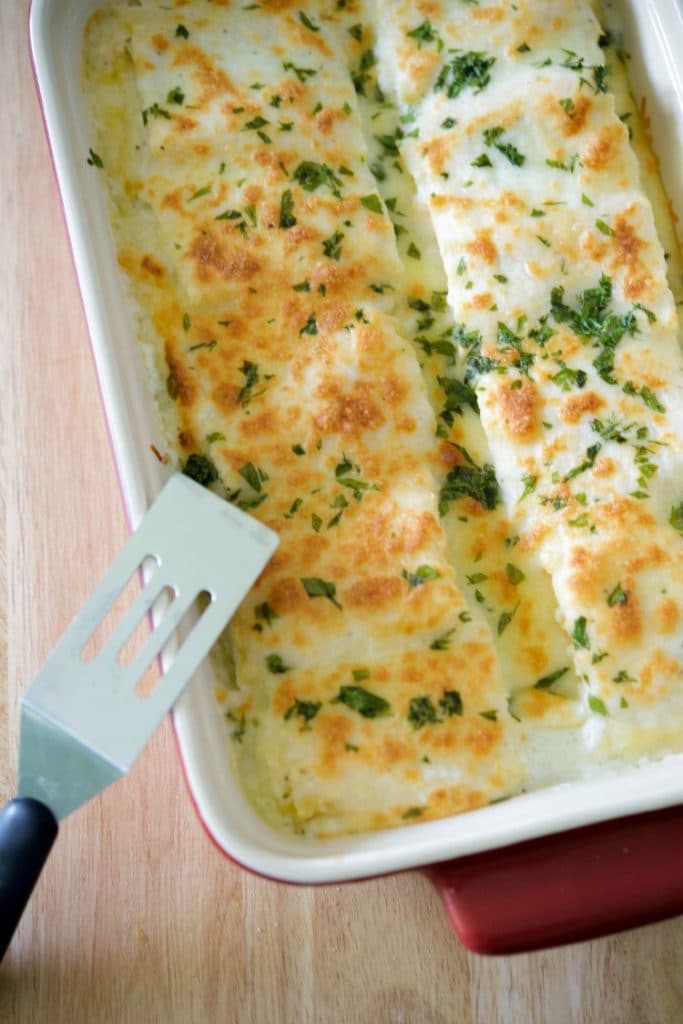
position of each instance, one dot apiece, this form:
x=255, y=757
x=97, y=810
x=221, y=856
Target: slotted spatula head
x=82, y=721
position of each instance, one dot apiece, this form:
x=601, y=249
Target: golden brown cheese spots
x=348, y=412
x=481, y=300
x=603, y=467
x=212, y=80
x=283, y=698
x=149, y=264
x=291, y=90
x=274, y=160
x=628, y=252
x=572, y=121
x=520, y=408
x=211, y=259
x=605, y=148
x=297, y=236
x=333, y=316
x=186, y=124
x=666, y=616
x=334, y=732
x=579, y=405
x=625, y=619
x=481, y=739
x=490, y=14
x=286, y=595
x=392, y=751
x=160, y=42
x=327, y=119
x=331, y=275
x=181, y=382
x=373, y=592
x=437, y=152
x=449, y=456
x=656, y=672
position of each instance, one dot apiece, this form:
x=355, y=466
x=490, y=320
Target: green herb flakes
x=367, y=704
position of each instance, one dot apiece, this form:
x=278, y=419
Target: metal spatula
x=82, y=722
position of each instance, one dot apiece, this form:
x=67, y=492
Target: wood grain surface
x=137, y=917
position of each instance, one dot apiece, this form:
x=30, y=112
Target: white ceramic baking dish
x=512, y=906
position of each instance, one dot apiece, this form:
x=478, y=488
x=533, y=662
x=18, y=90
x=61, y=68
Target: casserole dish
x=514, y=833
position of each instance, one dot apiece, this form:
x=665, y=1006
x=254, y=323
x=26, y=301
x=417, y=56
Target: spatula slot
x=141, y=632
x=118, y=605
x=167, y=640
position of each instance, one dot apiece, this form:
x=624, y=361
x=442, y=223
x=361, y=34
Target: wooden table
x=137, y=917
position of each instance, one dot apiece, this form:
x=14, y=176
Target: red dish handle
x=567, y=887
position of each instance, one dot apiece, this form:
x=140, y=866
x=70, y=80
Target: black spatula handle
x=27, y=831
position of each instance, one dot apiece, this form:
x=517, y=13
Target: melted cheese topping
x=459, y=607
x=570, y=336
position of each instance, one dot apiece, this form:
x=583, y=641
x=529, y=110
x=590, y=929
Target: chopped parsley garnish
x=603, y=227
x=579, y=634
x=591, y=455
x=483, y=160
x=425, y=33
x=154, y=111
x=422, y=574
x=421, y=712
x=356, y=32
x=412, y=812
x=315, y=587
x=442, y=642
x=466, y=70
x=492, y=137
x=597, y=705
x=676, y=517
x=451, y=703
x=529, y=483
x=367, y=704
x=332, y=245
x=515, y=575
x=311, y=325
x=94, y=159
x=362, y=76
x=287, y=218
x=307, y=22
x=187, y=323
x=264, y=613
x=176, y=95
x=469, y=480
x=250, y=372
x=298, y=449
x=182, y=32
x=617, y=596
x=209, y=345
x=458, y=395
x=372, y=203
x=414, y=252
x=567, y=165
x=305, y=709
x=545, y=682
x=201, y=468
x=505, y=620
x=311, y=175
x=566, y=378
x=490, y=715
x=214, y=436
x=204, y=191
x=253, y=475
x=276, y=665
x=592, y=318
x=303, y=74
